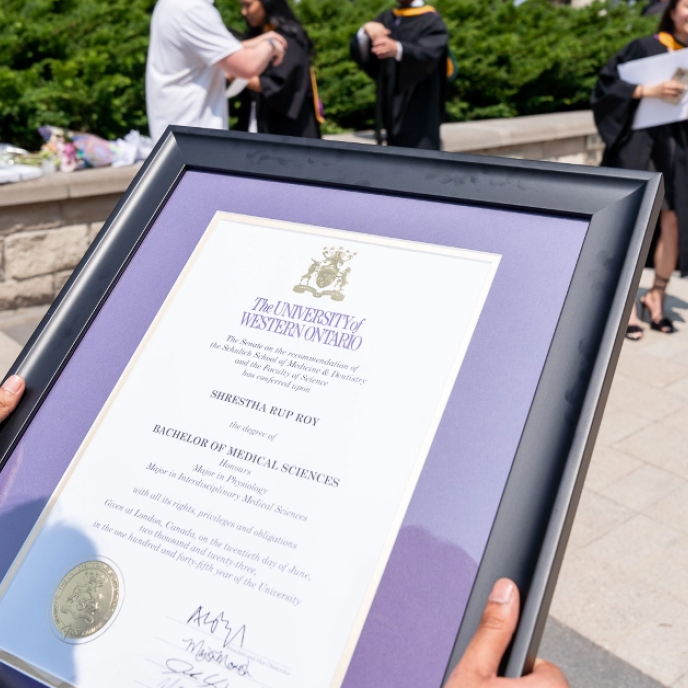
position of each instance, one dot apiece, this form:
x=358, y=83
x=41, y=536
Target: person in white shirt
x=191, y=53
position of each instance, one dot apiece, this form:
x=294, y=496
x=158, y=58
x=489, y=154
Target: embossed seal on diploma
x=328, y=273
x=85, y=601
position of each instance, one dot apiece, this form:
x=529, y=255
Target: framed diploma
x=298, y=408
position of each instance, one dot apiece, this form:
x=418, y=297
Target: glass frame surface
x=531, y=527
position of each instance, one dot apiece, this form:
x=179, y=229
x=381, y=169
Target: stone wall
x=560, y=137
x=47, y=224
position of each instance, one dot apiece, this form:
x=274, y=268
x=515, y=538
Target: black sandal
x=634, y=333
x=663, y=325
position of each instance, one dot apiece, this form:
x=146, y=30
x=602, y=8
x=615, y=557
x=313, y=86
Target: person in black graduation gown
x=655, y=7
x=663, y=148
x=284, y=97
x=405, y=51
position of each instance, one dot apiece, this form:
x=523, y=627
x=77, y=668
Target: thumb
x=485, y=651
x=10, y=394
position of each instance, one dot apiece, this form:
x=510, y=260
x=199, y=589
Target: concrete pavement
x=624, y=583
x=620, y=611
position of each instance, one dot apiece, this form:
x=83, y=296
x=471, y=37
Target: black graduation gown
x=663, y=148
x=410, y=93
x=286, y=105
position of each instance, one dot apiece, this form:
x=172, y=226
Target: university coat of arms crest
x=329, y=274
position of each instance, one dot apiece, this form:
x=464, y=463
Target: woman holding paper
x=662, y=148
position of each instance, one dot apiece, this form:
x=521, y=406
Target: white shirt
x=184, y=85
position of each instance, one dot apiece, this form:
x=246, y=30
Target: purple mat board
x=410, y=631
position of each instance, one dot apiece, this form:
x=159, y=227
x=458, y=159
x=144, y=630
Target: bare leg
x=633, y=331
x=666, y=256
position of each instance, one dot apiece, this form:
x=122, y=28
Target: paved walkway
x=624, y=583
x=620, y=612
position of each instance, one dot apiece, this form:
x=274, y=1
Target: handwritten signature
x=204, y=654
x=181, y=669
x=207, y=621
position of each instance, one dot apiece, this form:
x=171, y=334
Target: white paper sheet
x=653, y=70
x=248, y=476
x=236, y=87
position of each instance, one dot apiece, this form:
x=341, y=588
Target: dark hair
x=666, y=23
x=280, y=15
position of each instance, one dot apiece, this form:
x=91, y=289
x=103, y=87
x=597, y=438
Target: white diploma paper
x=653, y=70
x=249, y=474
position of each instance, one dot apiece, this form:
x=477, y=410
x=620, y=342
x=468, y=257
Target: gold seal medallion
x=85, y=601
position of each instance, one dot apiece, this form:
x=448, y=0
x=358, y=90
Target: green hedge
x=81, y=63
x=72, y=63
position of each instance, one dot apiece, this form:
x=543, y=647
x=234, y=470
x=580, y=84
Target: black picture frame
x=529, y=534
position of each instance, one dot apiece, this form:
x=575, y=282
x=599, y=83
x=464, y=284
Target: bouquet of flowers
x=73, y=150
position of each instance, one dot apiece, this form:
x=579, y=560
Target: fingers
x=383, y=53
x=281, y=40
x=480, y=663
x=279, y=48
x=485, y=651
x=275, y=38
x=376, y=30
x=671, y=90
x=10, y=394
x=279, y=57
x=384, y=47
